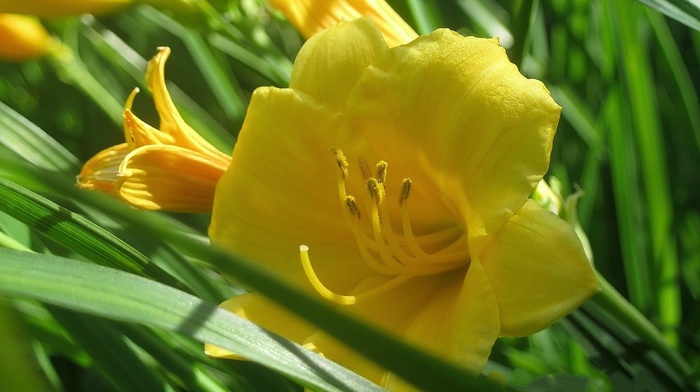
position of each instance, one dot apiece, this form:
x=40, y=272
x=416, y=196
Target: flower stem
x=73, y=71
x=612, y=301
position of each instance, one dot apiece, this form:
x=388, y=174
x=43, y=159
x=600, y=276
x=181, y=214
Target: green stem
x=612, y=301
x=74, y=72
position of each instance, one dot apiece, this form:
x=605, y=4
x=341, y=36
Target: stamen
x=376, y=191
x=381, y=172
x=345, y=299
x=364, y=168
x=342, y=161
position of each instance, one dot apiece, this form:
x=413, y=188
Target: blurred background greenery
x=628, y=142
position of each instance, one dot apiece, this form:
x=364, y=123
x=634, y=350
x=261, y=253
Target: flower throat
x=398, y=257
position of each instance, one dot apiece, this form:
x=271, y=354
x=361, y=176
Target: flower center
x=398, y=256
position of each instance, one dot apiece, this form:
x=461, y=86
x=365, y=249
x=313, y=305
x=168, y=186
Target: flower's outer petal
x=392, y=312
x=480, y=130
x=330, y=63
x=263, y=312
x=448, y=315
x=170, y=120
x=538, y=269
x=101, y=172
x=460, y=324
x=162, y=177
x=280, y=192
x=313, y=16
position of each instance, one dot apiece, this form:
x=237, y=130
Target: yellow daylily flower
x=394, y=182
x=51, y=8
x=313, y=16
x=22, y=38
x=172, y=168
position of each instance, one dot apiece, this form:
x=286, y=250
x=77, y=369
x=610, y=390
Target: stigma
x=397, y=254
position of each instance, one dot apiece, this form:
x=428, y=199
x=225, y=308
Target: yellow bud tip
x=130, y=98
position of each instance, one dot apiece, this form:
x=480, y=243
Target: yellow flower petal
x=481, y=130
x=23, y=38
x=101, y=172
x=262, y=311
x=326, y=345
x=538, y=270
x=163, y=177
x=136, y=132
x=170, y=120
x=461, y=323
x=393, y=312
x=275, y=190
x=330, y=63
x=312, y=16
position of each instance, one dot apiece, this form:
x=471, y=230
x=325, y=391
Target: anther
x=381, y=171
x=352, y=206
x=405, y=190
x=376, y=190
x=341, y=160
x=364, y=168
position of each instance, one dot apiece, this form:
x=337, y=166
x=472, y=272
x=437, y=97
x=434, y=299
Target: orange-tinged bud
x=22, y=38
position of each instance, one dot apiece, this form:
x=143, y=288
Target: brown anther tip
x=341, y=161
x=381, y=171
x=352, y=206
x=405, y=190
x=376, y=190
x=364, y=168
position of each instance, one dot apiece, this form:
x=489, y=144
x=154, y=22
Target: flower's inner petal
x=330, y=63
x=283, y=178
x=538, y=270
x=458, y=110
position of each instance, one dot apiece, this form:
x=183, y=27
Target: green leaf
x=684, y=11
x=74, y=231
x=33, y=144
x=81, y=287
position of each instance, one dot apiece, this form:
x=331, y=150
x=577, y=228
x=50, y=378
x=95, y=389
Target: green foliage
x=98, y=296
